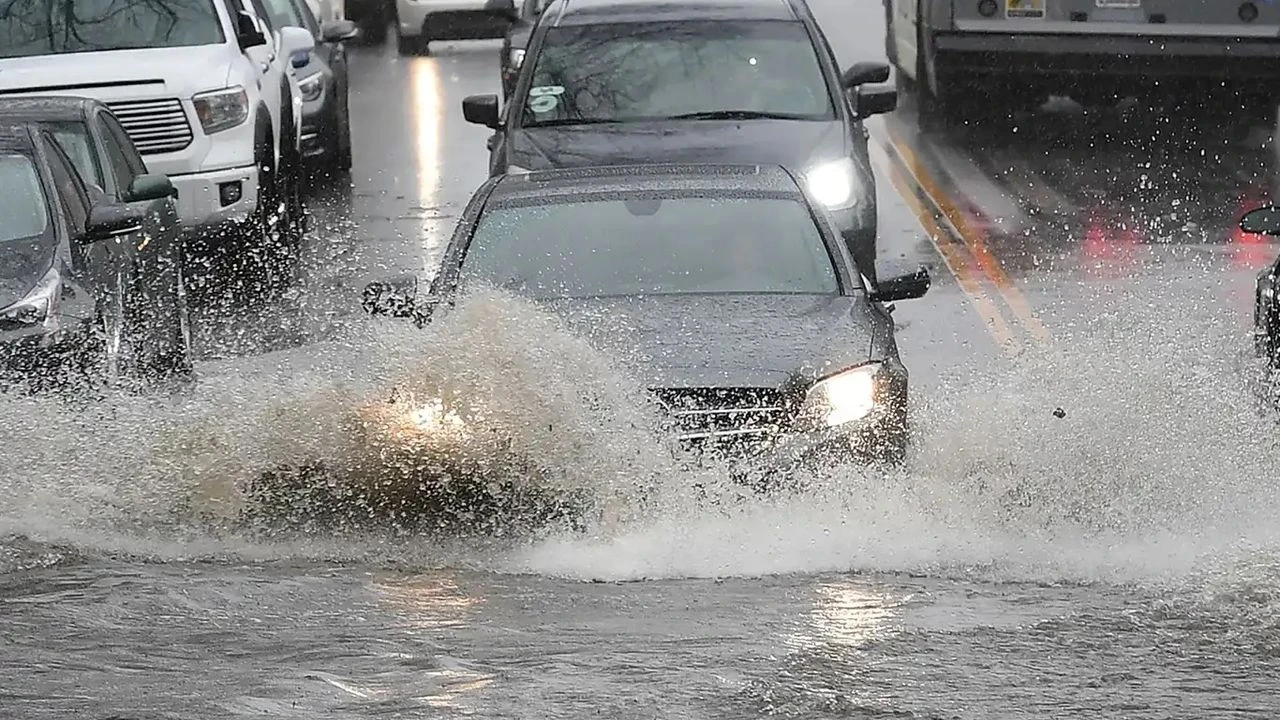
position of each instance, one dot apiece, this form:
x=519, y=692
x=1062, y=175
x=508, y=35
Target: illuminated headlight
x=842, y=398
x=834, y=183
x=40, y=305
x=516, y=58
x=312, y=87
x=220, y=110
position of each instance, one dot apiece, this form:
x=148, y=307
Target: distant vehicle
x=88, y=274
x=324, y=82
x=962, y=54
x=203, y=87
x=1266, y=305
x=637, y=81
x=516, y=42
x=734, y=298
x=418, y=22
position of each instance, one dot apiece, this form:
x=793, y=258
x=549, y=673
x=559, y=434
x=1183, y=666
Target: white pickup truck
x=980, y=50
x=204, y=88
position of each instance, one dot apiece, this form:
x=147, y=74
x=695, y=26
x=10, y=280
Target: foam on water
x=1162, y=466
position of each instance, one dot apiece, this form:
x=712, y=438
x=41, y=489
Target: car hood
x=792, y=143
x=724, y=340
x=121, y=74
x=22, y=264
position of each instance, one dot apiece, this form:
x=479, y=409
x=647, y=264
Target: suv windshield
x=651, y=245
x=649, y=71
x=23, y=212
x=49, y=27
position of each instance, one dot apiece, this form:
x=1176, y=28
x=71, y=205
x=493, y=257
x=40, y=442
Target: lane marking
x=954, y=218
x=953, y=254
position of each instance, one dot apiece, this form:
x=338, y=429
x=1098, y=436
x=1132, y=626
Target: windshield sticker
x=543, y=103
x=543, y=90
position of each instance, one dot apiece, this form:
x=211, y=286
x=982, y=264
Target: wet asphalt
x=1084, y=263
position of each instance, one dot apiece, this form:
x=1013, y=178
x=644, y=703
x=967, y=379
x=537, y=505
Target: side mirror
x=902, y=287
x=248, y=33
x=481, y=110
x=875, y=101
x=1262, y=221
x=153, y=186
x=505, y=9
x=339, y=31
x=111, y=221
x=397, y=298
x=296, y=41
x=861, y=73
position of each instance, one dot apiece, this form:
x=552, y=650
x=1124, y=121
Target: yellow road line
x=956, y=219
x=954, y=256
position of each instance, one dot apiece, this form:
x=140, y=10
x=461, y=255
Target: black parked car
x=90, y=272
x=517, y=41
x=323, y=80
x=725, y=288
x=638, y=81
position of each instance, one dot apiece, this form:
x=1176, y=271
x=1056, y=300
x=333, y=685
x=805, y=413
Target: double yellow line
x=980, y=274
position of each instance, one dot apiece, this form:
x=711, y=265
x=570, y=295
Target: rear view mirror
x=111, y=221
x=861, y=73
x=339, y=31
x=903, y=287
x=296, y=41
x=397, y=298
x=153, y=186
x=481, y=110
x=875, y=101
x=1262, y=221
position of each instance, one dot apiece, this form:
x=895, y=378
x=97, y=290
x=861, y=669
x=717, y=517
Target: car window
x=117, y=132
x=22, y=201
x=120, y=169
x=75, y=141
x=70, y=192
x=640, y=71
x=651, y=246
x=265, y=15
x=50, y=27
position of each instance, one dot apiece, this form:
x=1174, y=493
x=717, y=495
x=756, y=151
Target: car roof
x=590, y=12
x=46, y=108
x=648, y=177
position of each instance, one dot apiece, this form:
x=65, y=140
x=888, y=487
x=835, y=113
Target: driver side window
x=71, y=193
x=116, y=158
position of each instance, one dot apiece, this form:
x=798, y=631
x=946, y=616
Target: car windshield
x=648, y=71
x=50, y=27
x=74, y=139
x=651, y=245
x=23, y=212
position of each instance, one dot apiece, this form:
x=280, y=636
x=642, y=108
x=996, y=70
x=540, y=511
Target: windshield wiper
x=571, y=121
x=737, y=115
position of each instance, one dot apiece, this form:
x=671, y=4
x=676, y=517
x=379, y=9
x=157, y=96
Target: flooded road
x=1119, y=558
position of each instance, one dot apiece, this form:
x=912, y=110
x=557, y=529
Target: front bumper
x=218, y=197
x=448, y=20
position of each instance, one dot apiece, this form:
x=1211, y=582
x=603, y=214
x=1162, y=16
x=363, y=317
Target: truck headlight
x=311, y=87
x=40, y=304
x=842, y=398
x=515, y=58
x=833, y=183
x=220, y=110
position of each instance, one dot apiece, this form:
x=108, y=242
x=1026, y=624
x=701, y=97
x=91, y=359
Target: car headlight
x=40, y=303
x=220, y=110
x=515, y=58
x=311, y=87
x=842, y=398
x=833, y=183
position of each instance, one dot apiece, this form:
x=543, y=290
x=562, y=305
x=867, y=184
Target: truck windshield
x=51, y=27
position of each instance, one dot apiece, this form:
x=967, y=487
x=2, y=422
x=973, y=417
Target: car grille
x=726, y=419
x=155, y=126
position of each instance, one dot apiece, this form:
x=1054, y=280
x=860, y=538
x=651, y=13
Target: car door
x=92, y=265
x=123, y=162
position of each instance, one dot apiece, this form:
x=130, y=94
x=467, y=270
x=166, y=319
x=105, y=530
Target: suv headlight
x=220, y=110
x=40, y=303
x=311, y=87
x=515, y=58
x=834, y=183
x=842, y=398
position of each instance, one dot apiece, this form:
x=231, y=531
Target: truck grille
x=726, y=418
x=155, y=126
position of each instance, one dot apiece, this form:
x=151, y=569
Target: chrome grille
x=155, y=126
x=726, y=416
